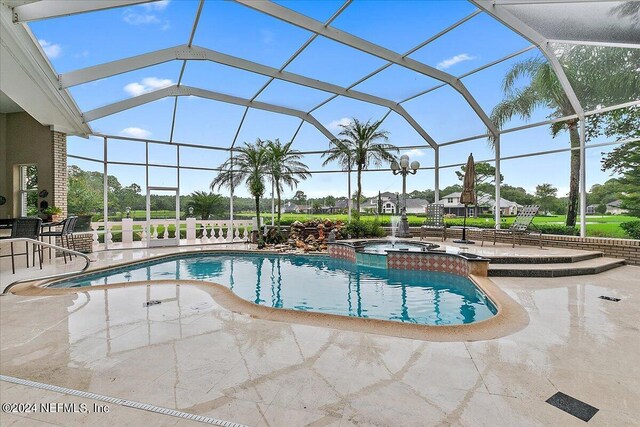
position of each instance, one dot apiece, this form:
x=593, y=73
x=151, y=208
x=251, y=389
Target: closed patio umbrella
x=468, y=196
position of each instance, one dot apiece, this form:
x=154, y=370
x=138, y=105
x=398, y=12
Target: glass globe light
x=404, y=162
x=415, y=165
x=395, y=166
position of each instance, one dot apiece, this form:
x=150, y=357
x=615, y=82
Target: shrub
x=375, y=230
x=557, y=229
x=632, y=228
x=356, y=229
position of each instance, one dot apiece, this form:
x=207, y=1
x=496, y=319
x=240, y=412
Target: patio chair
x=434, y=221
x=521, y=225
x=28, y=228
x=67, y=229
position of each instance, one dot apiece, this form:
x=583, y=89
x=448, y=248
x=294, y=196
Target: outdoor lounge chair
x=434, y=221
x=520, y=226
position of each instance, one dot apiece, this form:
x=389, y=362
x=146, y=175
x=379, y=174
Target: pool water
x=318, y=284
x=382, y=248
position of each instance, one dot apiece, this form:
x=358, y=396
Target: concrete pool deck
x=204, y=359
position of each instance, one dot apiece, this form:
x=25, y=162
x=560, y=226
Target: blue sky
x=237, y=30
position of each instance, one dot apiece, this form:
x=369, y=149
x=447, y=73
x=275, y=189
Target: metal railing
x=53, y=276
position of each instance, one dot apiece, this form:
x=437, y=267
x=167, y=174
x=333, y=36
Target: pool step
x=588, y=266
x=553, y=259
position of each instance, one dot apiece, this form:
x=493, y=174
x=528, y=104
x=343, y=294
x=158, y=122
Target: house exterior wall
x=24, y=141
x=615, y=210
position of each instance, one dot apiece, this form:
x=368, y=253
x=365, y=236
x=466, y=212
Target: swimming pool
x=317, y=284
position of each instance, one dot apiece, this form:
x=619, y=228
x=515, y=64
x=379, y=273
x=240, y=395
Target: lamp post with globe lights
x=404, y=168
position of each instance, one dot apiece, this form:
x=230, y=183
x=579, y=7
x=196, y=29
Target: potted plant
x=49, y=212
x=84, y=222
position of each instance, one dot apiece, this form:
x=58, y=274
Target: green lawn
x=597, y=225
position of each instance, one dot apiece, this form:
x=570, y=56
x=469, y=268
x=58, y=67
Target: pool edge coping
x=510, y=317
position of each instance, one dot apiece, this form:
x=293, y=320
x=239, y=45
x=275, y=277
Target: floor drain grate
x=122, y=402
x=572, y=406
x=150, y=303
x=614, y=299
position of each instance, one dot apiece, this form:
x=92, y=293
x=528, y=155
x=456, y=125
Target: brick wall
x=83, y=241
x=627, y=249
x=59, y=159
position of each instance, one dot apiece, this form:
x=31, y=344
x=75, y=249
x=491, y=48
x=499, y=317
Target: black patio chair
x=521, y=225
x=25, y=228
x=434, y=221
x=67, y=228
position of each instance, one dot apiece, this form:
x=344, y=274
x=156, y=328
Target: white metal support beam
x=583, y=180
x=175, y=90
x=45, y=9
x=309, y=24
x=436, y=183
x=592, y=43
x=185, y=52
x=497, y=212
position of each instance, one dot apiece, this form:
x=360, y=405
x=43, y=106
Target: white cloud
x=133, y=18
x=414, y=152
x=134, y=132
x=450, y=62
x=147, y=84
x=53, y=50
x=337, y=124
x=146, y=14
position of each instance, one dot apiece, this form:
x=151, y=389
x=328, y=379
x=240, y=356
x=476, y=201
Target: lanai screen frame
x=38, y=10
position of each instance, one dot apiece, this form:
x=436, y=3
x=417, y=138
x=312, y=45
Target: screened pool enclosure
x=168, y=90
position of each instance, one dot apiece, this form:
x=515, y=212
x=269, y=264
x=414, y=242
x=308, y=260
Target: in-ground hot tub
x=382, y=246
x=408, y=255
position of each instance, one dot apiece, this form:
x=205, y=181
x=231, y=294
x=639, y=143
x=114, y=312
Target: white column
x=349, y=195
x=105, y=194
x=273, y=204
x=127, y=230
x=191, y=229
x=496, y=147
x=583, y=181
x=436, y=183
x=230, y=230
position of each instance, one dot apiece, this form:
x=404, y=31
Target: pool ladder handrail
x=87, y=261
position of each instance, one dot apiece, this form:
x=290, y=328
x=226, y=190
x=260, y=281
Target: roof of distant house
x=615, y=204
x=484, y=199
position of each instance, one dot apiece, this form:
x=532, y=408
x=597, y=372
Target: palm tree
x=205, y=204
x=248, y=165
x=285, y=167
x=598, y=76
x=359, y=145
x=543, y=90
x=341, y=153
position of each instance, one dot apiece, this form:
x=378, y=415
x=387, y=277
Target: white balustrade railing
x=208, y=231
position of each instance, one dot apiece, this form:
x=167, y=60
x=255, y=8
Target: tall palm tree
x=248, y=165
x=598, y=75
x=340, y=152
x=544, y=90
x=360, y=141
x=285, y=167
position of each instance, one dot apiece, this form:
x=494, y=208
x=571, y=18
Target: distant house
x=486, y=204
x=615, y=208
x=289, y=207
x=592, y=209
x=391, y=205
